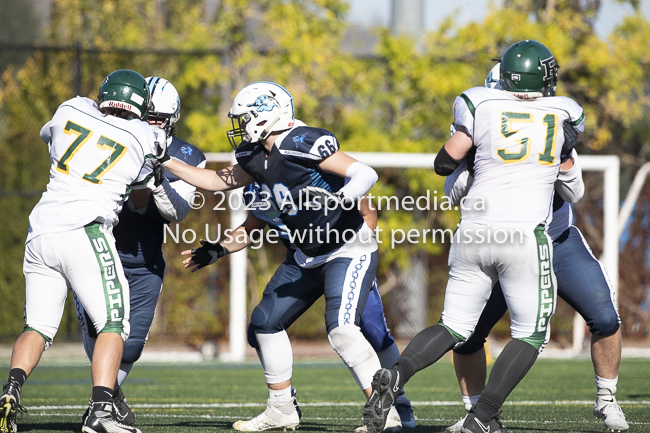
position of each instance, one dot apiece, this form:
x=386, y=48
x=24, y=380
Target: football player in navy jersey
x=139, y=236
x=300, y=169
x=287, y=309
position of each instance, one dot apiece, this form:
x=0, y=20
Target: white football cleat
x=612, y=414
x=456, y=428
x=271, y=419
x=393, y=423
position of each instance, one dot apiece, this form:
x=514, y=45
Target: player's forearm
x=369, y=212
x=569, y=183
x=222, y=180
x=240, y=237
x=458, y=183
x=361, y=179
x=171, y=205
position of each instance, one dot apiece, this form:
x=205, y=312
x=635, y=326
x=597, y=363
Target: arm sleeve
x=361, y=179
x=458, y=183
x=172, y=198
x=569, y=183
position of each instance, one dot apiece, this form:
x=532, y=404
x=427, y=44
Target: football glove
x=207, y=254
x=326, y=198
x=160, y=140
x=570, y=141
x=158, y=173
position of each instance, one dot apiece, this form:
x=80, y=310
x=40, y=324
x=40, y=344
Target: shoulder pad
x=310, y=143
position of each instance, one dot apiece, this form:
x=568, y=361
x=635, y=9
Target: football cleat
x=405, y=411
x=385, y=389
x=456, y=428
x=295, y=402
x=121, y=409
x=612, y=415
x=272, y=418
x=393, y=423
x=102, y=419
x=10, y=407
x=473, y=425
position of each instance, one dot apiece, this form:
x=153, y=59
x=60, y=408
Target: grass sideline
x=556, y=396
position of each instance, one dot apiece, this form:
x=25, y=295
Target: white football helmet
x=259, y=109
x=165, y=103
x=492, y=80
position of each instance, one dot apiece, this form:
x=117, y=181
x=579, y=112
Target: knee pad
x=606, y=324
x=355, y=351
x=133, y=348
x=250, y=336
x=260, y=320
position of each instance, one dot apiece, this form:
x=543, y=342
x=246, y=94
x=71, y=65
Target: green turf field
x=556, y=396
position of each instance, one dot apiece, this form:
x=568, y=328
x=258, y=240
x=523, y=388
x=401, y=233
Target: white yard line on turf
x=341, y=404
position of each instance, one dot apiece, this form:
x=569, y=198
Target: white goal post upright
x=608, y=164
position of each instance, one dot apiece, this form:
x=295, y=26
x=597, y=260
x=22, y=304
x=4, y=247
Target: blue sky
x=377, y=12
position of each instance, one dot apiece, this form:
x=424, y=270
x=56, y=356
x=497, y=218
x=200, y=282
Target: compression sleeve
x=569, y=183
x=361, y=179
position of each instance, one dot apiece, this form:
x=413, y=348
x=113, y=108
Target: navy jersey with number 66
x=290, y=166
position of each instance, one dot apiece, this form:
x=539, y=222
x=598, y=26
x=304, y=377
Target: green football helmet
x=529, y=70
x=127, y=90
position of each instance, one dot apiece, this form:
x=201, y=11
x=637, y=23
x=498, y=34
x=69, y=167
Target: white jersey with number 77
x=94, y=159
x=518, y=145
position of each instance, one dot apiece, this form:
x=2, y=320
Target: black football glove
x=570, y=141
x=207, y=254
x=158, y=174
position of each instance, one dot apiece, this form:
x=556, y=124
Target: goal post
x=607, y=164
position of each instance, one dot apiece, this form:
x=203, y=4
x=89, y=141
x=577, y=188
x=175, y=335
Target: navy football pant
x=293, y=290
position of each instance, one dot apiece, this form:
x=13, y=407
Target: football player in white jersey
x=139, y=238
x=518, y=137
x=581, y=282
x=96, y=152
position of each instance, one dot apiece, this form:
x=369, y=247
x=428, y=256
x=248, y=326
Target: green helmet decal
x=127, y=90
x=529, y=69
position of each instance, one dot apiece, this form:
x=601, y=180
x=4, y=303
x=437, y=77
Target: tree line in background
x=396, y=100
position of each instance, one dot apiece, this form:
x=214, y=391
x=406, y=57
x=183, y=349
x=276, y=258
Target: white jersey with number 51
x=518, y=145
x=94, y=158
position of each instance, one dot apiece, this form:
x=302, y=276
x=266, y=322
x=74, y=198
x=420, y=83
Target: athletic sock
x=19, y=375
x=123, y=372
x=470, y=400
x=488, y=406
x=424, y=349
x=101, y=394
x=606, y=390
x=510, y=367
x=281, y=399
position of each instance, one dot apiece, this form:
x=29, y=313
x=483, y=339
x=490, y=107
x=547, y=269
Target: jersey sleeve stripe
x=469, y=103
x=299, y=154
x=579, y=120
